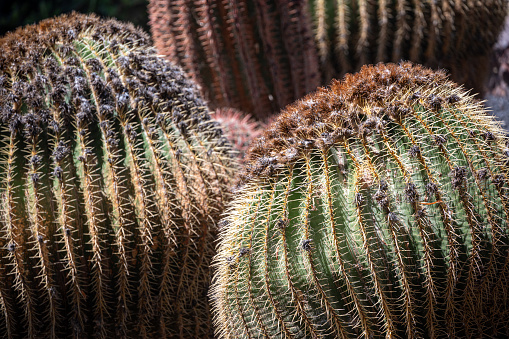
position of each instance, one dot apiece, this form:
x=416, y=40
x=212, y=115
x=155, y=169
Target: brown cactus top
x=28, y=43
x=45, y=57
x=356, y=105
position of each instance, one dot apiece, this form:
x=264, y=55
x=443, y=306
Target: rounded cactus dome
x=238, y=127
x=261, y=56
x=376, y=206
x=360, y=105
x=112, y=178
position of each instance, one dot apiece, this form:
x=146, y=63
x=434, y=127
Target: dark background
x=15, y=13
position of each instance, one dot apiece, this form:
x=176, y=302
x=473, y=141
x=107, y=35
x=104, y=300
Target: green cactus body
x=113, y=176
x=457, y=35
x=374, y=207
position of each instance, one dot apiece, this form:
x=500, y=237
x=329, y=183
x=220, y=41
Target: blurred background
x=19, y=13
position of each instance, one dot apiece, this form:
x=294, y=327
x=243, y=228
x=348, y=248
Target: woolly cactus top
x=355, y=107
x=32, y=56
x=24, y=47
x=250, y=55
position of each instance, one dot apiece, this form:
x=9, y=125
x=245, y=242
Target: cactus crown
x=375, y=206
x=112, y=176
x=348, y=108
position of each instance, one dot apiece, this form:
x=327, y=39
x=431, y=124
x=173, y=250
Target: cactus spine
x=374, y=207
x=457, y=35
x=250, y=55
x=113, y=176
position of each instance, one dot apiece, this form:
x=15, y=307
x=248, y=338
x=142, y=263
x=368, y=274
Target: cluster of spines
x=239, y=128
x=253, y=56
x=260, y=56
x=353, y=33
x=113, y=175
x=376, y=206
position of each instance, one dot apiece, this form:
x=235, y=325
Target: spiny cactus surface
x=256, y=56
x=259, y=56
x=112, y=176
x=375, y=207
x=239, y=128
x=457, y=35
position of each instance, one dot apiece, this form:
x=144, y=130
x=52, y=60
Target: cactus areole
x=112, y=176
x=375, y=207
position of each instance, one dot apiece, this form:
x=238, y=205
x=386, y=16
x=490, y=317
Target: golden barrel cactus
x=375, y=207
x=113, y=175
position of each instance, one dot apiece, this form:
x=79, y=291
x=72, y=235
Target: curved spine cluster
x=113, y=175
x=377, y=206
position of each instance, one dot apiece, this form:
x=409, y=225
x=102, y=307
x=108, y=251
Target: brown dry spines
x=367, y=209
x=251, y=55
x=114, y=177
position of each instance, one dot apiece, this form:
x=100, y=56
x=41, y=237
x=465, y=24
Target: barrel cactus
x=457, y=35
x=377, y=206
x=250, y=55
x=113, y=175
x=259, y=56
x=239, y=128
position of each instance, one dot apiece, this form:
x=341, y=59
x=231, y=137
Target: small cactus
x=239, y=128
x=112, y=178
x=377, y=206
x=498, y=84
